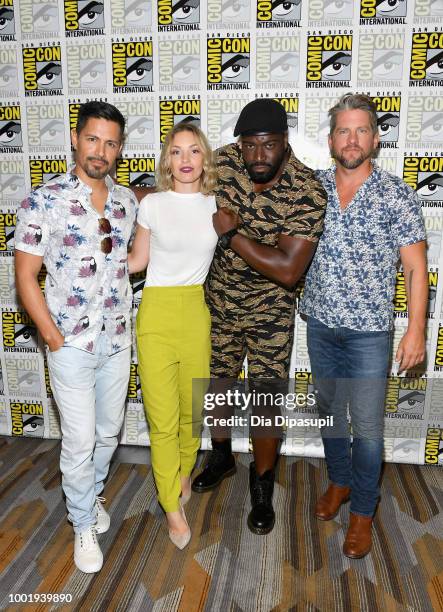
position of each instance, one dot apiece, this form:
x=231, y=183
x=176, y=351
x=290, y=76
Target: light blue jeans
x=90, y=391
x=349, y=369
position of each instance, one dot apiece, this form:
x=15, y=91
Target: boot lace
x=261, y=493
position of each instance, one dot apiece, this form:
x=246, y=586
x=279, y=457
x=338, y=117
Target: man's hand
x=224, y=220
x=57, y=343
x=411, y=350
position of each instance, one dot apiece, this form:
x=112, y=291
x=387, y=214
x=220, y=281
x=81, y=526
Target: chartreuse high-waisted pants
x=173, y=345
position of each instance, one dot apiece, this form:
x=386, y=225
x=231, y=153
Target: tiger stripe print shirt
x=294, y=206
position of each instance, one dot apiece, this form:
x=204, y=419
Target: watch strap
x=225, y=239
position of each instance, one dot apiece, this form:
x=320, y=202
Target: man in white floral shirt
x=79, y=225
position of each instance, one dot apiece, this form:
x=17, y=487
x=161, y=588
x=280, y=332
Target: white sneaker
x=103, y=518
x=87, y=554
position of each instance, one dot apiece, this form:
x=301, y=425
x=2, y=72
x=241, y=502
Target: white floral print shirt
x=86, y=289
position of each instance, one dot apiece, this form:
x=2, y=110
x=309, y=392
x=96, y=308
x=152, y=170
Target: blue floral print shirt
x=86, y=288
x=351, y=281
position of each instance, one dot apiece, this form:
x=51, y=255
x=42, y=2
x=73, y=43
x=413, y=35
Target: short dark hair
x=354, y=102
x=99, y=110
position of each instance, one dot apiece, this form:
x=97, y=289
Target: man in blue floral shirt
x=79, y=225
x=372, y=219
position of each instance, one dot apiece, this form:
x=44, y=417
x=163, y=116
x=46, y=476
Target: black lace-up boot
x=221, y=464
x=261, y=519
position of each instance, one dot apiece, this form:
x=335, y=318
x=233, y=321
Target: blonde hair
x=164, y=178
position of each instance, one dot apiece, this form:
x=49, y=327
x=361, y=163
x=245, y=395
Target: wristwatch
x=225, y=239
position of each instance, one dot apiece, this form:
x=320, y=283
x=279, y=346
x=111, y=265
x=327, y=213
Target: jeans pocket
x=49, y=352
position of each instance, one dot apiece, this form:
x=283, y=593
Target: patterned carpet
x=297, y=567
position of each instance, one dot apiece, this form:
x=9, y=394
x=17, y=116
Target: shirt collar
x=329, y=173
x=76, y=182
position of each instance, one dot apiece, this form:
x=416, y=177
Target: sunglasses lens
x=106, y=245
x=104, y=226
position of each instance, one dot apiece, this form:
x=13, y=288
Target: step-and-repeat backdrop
x=164, y=61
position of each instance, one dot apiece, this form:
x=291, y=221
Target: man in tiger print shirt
x=269, y=219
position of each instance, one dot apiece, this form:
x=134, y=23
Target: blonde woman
x=176, y=240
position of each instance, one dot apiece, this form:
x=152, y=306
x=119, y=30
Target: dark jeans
x=349, y=369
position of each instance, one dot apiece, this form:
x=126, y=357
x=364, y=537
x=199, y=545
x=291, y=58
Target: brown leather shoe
x=329, y=503
x=358, y=540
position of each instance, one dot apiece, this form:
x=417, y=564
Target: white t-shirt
x=183, y=238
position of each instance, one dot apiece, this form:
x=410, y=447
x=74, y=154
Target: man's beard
x=351, y=164
x=264, y=177
x=96, y=173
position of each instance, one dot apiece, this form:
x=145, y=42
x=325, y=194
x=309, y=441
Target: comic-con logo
x=425, y=175
x=316, y=117
x=380, y=59
x=139, y=115
x=27, y=419
x=426, y=68
x=424, y=127
x=329, y=60
x=291, y=106
x=12, y=186
x=10, y=129
x=388, y=119
x=128, y=16
x=43, y=170
x=173, y=111
x=434, y=233
x=7, y=21
x=137, y=281
x=8, y=73
x=42, y=70
x=278, y=13
x=427, y=11
x=228, y=62
x=434, y=446
x=277, y=60
x=326, y=13
x=179, y=62
x=304, y=386
x=134, y=386
x=300, y=341
x=8, y=220
x=379, y=12
x=405, y=397
x=400, y=296
x=135, y=429
x=23, y=374
x=432, y=295
x=173, y=15
x=222, y=115
x=39, y=18
x=300, y=289
x=84, y=18
x=228, y=13
x=46, y=129
x=73, y=108
x=19, y=332
x=86, y=68
x=8, y=295
x=438, y=360
x=132, y=66
x=136, y=171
